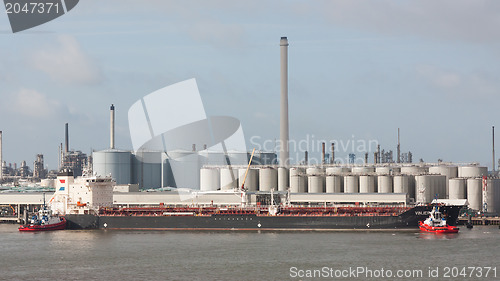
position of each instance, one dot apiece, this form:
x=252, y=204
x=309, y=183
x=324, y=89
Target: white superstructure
x=81, y=195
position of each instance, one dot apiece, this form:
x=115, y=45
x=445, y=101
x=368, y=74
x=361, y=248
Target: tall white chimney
x=284, y=133
x=112, y=127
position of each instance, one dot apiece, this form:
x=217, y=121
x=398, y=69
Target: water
x=168, y=255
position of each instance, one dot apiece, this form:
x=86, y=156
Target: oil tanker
x=258, y=218
x=89, y=203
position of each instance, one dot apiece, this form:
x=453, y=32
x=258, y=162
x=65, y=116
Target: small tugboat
x=44, y=221
x=436, y=223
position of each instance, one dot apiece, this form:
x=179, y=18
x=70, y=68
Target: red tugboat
x=44, y=221
x=436, y=223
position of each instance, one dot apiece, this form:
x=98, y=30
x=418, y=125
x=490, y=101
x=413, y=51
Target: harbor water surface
x=170, y=255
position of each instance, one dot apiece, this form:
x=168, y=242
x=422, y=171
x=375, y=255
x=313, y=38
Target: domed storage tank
x=472, y=171
x=387, y=170
x=401, y=184
x=427, y=187
x=475, y=193
x=268, y=179
x=413, y=170
x=148, y=170
x=209, y=179
x=252, y=180
x=351, y=184
x=337, y=170
x=384, y=184
x=185, y=166
x=117, y=163
x=366, y=184
x=334, y=184
x=448, y=171
x=228, y=178
x=316, y=183
x=457, y=188
x=315, y=171
x=283, y=179
x=493, y=196
x=362, y=170
x=298, y=180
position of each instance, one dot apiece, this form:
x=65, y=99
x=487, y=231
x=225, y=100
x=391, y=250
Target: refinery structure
x=384, y=181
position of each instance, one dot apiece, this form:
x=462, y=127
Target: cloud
x=471, y=21
x=473, y=85
x=66, y=62
x=33, y=104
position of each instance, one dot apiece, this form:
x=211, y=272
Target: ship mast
x=242, y=190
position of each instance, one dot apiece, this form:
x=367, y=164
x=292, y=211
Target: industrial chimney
x=112, y=127
x=67, y=139
x=284, y=134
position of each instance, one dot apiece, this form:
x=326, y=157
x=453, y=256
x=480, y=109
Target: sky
x=358, y=71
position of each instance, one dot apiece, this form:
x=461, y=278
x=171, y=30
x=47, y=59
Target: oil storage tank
x=457, y=188
x=366, y=184
x=252, y=180
x=401, y=184
x=384, y=184
x=283, y=179
x=316, y=183
x=445, y=170
x=472, y=171
x=337, y=170
x=228, y=178
x=351, y=184
x=362, y=170
x=475, y=193
x=268, y=179
x=117, y=163
x=429, y=187
x=334, y=184
x=298, y=180
x=492, y=199
x=209, y=179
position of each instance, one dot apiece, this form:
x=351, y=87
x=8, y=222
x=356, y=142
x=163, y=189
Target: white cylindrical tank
x=316, y=184
x=334, y=184
x=314, y=171
x=387, y=170
x=268, y=179
x=362, y=170
x=413, y=170
x=47, y=183
x=209, y=179
x=492, y=196
x=475, y=193
x=449, y=171
x=337, y=170
x=366, y=184
x=472, y=171
x=283, y=179
x=423, y=189
x=252, y=180
x=116, y=163
x=384, y=184
x=228, y=178
x=457, y=188
x=401, y=184
x=351, y=184
x=298, y=180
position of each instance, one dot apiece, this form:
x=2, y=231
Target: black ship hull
x=408, y=219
